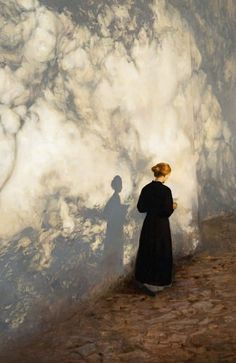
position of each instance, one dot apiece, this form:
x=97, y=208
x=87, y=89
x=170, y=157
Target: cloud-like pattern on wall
x=214, y=101
x=88, y=105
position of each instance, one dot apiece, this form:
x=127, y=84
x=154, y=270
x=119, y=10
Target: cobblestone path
x=193, y=321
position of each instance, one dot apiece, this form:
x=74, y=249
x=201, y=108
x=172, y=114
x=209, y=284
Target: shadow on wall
x=115, y=215
x=58, y=265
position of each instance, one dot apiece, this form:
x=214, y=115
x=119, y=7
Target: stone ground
x=193, y=321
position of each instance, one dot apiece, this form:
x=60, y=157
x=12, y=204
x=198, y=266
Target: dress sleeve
x=143, y=202
x=167, y=207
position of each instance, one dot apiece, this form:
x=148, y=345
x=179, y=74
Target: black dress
x=154, y=259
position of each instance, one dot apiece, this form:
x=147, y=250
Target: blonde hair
x=161, y=169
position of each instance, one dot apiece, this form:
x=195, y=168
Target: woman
x=154, y=259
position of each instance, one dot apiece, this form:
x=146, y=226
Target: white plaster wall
x=213, y=25
x=85, y=100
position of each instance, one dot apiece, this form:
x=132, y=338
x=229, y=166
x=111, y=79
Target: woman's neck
x=160, y=179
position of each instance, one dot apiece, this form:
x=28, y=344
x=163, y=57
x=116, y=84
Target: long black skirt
x=154, y=260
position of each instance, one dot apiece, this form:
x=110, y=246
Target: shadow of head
x=116, y=184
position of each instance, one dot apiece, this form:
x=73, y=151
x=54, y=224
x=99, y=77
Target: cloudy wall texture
x=92, y=95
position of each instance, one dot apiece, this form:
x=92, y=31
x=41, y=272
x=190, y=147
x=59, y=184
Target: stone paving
x=193, y=321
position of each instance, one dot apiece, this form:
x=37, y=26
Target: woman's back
x=156, y=198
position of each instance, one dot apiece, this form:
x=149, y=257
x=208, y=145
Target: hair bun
x=155, y=168
x=161, y=169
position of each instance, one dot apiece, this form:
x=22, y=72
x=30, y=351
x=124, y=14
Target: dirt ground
x=193, y=321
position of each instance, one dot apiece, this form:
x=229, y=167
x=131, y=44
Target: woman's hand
x=175, y=205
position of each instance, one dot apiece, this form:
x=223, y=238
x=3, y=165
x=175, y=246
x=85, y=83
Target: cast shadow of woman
x=115, y=214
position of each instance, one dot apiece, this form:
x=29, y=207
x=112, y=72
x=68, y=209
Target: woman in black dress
x=153, y=269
